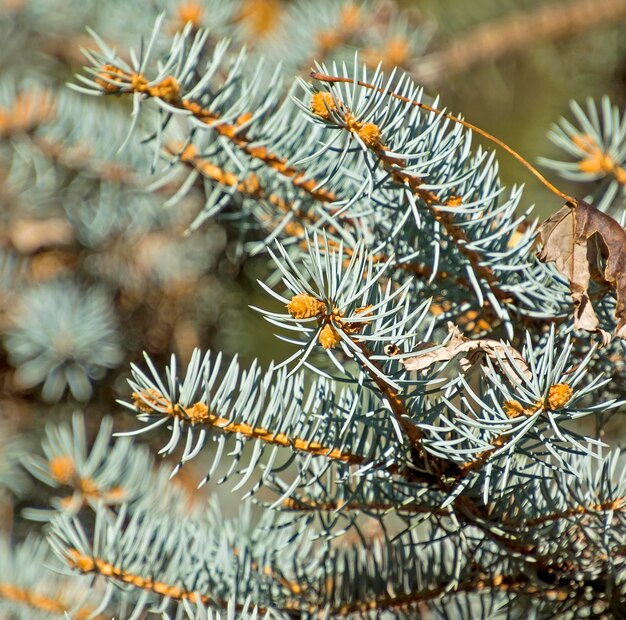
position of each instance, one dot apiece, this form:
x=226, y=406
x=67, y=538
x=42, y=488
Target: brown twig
x=334, y=79
x=302, y=504
x=42, y=602
x=150, y=401
x=87, y=564
x=168, y=90
x=505, y=583
x=577, y=511
x=515, y=33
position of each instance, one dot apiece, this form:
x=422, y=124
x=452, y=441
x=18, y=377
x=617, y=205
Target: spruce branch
x=400, y=473
x=282, y=118
x=298, y=504
x=108, y=475
x=515, y=33
x=27, y=593
x=292, y=219
x=198, y=415
x=272, y=410
x=250, y=560
x=112, y=79
x=322, y=77
x=595, y=147
x=87, y=564
x=406, y=148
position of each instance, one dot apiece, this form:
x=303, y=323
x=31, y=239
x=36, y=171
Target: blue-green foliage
x=382, y=475
x=595, y=146
x=13, y=481
x=30, y=593
x=107, y=473
x=64, y=336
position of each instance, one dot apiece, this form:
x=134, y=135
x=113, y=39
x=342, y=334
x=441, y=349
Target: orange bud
x=558, y=395
x=304, y=306
x=322, y=104
x=329, y=338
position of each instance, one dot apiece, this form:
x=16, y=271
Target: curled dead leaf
x=586, y=244
x=471, y=353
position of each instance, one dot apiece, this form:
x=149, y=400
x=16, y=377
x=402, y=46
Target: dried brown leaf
x=586, y=244
x=470, y=353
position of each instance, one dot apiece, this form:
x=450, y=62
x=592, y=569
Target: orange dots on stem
x=110, y=78
x=559, y=395
x=198, y=413
x=167, y=89
x=514, y=409
x=304, y=306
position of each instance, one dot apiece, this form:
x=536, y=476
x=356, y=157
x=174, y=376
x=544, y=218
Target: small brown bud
x=370, y=134
x=558, y=395
x=329, y=338
x=62, y=469
x=198, y=413
x=322, y=104
x=392, y=349
x=513, y=409
x=304, y=306
x=108, y=73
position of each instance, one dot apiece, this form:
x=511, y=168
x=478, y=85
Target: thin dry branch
x=87, y=564
x=516, y=33
x=302, y=504
x=505, y=583
x=576, y=512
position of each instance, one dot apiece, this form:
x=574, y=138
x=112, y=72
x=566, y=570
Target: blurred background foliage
x=96, y=268
x=519, y=94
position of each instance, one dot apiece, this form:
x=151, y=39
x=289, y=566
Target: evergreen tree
x=436, y=443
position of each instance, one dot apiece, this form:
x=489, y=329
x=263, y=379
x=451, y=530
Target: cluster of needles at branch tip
x=565, y=235
x=304, y=306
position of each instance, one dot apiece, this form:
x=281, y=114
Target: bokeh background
x=96, y=264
